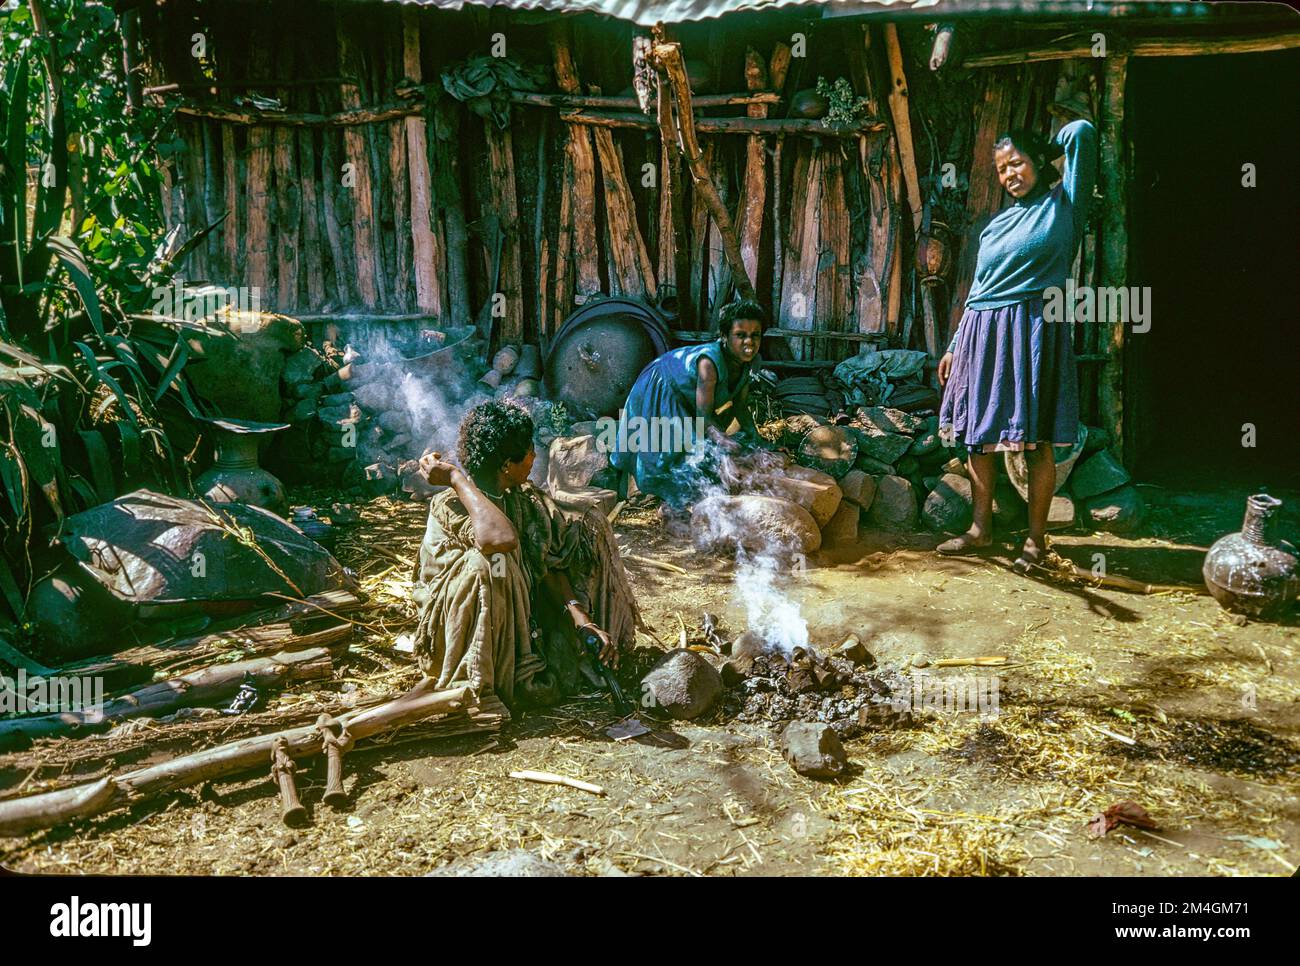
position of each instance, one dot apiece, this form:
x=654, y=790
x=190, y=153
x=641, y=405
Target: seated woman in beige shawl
x=506, y=578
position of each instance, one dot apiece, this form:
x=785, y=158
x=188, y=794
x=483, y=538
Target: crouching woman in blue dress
x=1009, y=376
x=698, y=389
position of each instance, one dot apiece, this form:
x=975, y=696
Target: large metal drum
x=598, y=353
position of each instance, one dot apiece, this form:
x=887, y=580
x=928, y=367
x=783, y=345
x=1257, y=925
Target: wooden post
x=1114, y=242
x=669, y=57
x=671, y=174
x=501, y=173
x=359, y=189
x=898, y=107
x=288, y=198
x=257, y=240
x=753, y=196
x=629, y=260
x=231, y=230
x=583, y=184
x=427, y=243
x=401, y=285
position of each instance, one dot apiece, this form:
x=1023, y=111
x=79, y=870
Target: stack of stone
x=895, y=474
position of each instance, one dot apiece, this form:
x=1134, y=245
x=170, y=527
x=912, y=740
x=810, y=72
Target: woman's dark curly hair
x=1037, y=148
x=740, y=309
x=491, y=435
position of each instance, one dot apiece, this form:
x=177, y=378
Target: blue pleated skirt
x=1014, y=382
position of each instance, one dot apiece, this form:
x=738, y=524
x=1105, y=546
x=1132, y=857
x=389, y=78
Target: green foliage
x=86, y=394
x=846, y=108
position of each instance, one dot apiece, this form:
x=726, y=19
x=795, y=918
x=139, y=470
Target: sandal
x=1027, y=561
x=963, y=545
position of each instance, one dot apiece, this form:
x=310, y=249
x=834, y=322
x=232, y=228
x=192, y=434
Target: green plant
x=846, y=108
x=89, y=385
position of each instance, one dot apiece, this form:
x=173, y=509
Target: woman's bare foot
x=968, y=543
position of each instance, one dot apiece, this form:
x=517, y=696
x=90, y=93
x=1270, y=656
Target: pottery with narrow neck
x=1253, y=572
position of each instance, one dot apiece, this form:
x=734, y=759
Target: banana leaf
x=68, y=253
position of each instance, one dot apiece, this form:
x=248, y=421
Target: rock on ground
x=1119, y=511
x=682, y=685
x=886, y=447
x=858, y=487
x=755, y=523
x=894, y=507
x=842, y=529
x=815, y=491
x=813, y=749
x=886, y=420
x=1099, y=473
x=948, y=506
x=1018, y=469
x=512, y=863
x=1060, y=515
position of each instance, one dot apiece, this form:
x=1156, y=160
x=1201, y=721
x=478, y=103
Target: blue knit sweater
x=1029, y=246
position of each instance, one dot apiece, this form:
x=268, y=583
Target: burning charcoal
x=813, y=750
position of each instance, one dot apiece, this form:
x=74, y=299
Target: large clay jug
x=1251, y=572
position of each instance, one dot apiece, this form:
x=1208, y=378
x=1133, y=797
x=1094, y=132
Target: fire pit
x=764, y=684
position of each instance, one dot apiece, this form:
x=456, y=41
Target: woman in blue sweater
x=1009, y=376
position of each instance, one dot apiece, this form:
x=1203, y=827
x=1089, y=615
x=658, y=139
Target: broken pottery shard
x=830, y=449
x=894, y=507
x=682, y=685
x=755, y=523
x=948, y=507
x=1099, y=473
x=813, y=749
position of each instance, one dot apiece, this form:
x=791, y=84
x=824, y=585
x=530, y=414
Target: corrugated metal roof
x=647, y=13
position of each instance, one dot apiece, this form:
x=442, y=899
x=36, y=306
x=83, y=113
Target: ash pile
x=844, y=689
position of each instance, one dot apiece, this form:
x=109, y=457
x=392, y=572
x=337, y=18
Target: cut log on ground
x=21, y=815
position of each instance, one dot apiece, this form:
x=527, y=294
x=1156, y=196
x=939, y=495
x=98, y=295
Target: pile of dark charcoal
x=844, y=689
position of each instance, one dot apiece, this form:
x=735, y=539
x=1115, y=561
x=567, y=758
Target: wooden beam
x=899, y=109
x=569, y=101
x=1114, y=243
x=583, y=184
x=1153, y=47
x=426, y=243
x=748, y=126
x=352, y=117
x=669, y=57
x=365, y=241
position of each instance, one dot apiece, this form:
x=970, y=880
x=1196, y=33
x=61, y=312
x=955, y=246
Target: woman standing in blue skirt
x=1009, y=375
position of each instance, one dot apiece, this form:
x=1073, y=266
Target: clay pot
x=934, y=253
x=236, y=477
x=807, y=103
x=1253, y=572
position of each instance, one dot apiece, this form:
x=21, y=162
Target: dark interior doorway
x=1221, y=262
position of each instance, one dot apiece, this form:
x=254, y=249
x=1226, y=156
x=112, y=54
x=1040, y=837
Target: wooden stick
x=669, y=57
x=729, y=125
x=548, y=778
x=48, y=809
x=572, y=101
x=205, y=686
x=1154, y=47
x=659, y=564
x=355, y=116
x=898, y=108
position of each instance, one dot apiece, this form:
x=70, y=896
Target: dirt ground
x=1163, y=700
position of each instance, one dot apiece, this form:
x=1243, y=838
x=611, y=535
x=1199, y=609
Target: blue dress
x=666, y=389
x=1014, y=381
